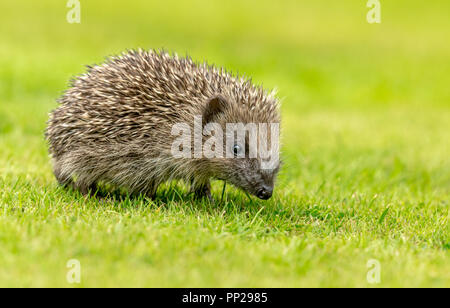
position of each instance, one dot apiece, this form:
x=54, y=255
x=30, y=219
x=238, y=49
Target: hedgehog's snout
x=265, y=192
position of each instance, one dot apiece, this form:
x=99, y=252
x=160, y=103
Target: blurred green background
x=365, y=107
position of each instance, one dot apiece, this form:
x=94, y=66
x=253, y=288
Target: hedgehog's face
x=247, y=174
x=250, y=150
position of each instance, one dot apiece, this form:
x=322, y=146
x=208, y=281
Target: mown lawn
x=366, y=130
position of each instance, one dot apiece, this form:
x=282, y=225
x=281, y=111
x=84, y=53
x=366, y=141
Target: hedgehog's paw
x=90, y=190
x=203, y=191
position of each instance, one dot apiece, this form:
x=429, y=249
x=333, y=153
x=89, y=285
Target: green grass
x=366, y=130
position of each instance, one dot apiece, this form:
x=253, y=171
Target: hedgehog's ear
x=215, y=106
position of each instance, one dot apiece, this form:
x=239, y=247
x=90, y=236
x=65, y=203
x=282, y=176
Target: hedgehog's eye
x=237, y=149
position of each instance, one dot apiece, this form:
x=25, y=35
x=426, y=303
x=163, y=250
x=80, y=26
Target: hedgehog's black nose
x=265, y=192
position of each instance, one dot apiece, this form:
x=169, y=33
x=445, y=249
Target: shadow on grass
x=168, y=194
x=173, y=199
x=287, y=214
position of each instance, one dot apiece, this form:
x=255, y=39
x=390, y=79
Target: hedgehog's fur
x=114, y=123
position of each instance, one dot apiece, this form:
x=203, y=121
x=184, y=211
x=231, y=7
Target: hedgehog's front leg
x=150, y=191
x=87, y=189
x=203, y=190
x=147, y=188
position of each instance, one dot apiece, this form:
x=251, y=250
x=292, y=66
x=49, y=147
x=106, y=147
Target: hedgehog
x=114, y=124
